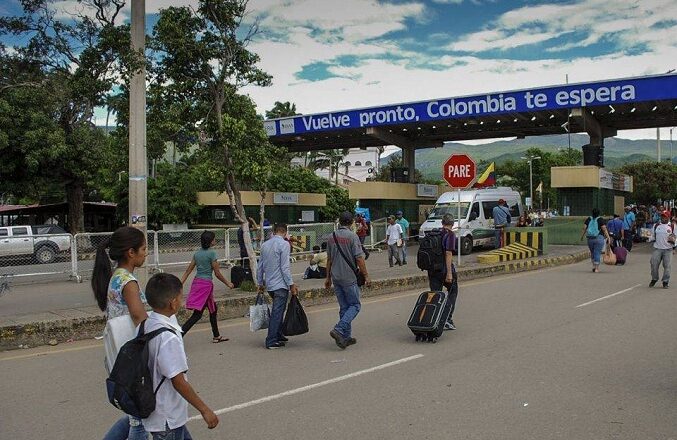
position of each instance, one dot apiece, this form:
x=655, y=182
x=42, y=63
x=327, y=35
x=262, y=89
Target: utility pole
x=530, y=159
x=138, y=162
x=658, y=143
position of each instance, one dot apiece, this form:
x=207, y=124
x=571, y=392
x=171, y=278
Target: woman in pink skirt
x=201, y=294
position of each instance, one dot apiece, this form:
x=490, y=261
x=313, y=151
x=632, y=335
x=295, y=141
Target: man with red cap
x=663, y=241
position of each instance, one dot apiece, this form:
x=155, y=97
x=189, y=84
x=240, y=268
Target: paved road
x=533, y=358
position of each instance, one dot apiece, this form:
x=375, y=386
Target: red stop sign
x=459, y=170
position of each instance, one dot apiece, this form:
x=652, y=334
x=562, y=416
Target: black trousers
x=436, y=281
x=196, y=316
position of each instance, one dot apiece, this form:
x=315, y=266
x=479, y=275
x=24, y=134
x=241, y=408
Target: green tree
x=281, y=110
x=75, y=62
x=202, y=60
x=652, y=181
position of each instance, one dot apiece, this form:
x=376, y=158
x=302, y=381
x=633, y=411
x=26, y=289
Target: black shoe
x=340, y=340
x=351, y=341
x=665, y=285
x=404, y=262
x=391, y=265
x=284, y=339
x=653, y=283
x=275, y=345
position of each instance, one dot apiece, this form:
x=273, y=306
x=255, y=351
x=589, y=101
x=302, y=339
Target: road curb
x=77, y=324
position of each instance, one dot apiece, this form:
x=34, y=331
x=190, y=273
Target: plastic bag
x=295, y=320
x=259, y=314
x=118, y=330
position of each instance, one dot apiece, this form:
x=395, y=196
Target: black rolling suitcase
x=429, y=315
x=238, y=274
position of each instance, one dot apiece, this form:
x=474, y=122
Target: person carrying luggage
x=615, y=228
x=597, y=234
x=445, y=276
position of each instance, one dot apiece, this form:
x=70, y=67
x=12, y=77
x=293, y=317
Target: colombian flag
x=488, y=178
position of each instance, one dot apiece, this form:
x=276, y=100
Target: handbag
x=295, y=320
x=609, y=257
x=117, y=332
x=359, y=275
x=259, y=314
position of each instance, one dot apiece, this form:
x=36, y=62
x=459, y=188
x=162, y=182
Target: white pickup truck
x=43, y=243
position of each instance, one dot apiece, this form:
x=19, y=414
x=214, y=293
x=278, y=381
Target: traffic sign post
x=460, y=172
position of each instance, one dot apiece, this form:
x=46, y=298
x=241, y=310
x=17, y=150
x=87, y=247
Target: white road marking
x=608, y=296
x=309, y=387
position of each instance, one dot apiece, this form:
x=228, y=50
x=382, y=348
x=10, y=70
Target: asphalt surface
x=533, y=358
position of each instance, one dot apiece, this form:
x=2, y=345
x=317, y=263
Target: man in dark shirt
x=447, y=277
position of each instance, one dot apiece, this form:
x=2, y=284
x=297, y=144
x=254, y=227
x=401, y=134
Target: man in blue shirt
x=628, y=227
x=615, y=228
x=502, y=219
x=274, y=267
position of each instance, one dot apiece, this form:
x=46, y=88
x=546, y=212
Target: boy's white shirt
x=166, y=358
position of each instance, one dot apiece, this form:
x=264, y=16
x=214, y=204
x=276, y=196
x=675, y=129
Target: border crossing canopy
x=606, y=106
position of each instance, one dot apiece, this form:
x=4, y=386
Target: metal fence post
x=156, y=250
x=74, y=258
x=226, y=243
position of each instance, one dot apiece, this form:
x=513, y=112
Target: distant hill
x=617, y=151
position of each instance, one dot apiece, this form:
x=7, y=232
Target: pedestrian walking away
x=628, y=228
x=446, y=277
x=615, y=228
x=501, y=214
x=394, y=241
x=168, y=365
x=274, y=275
x=663, y=239
x=596, y=232
x=404, y=223
x=201, y=294
x=119, y=294
x=345, y=264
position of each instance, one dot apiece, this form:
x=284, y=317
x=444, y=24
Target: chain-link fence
x=24, y=255
x=73, y=256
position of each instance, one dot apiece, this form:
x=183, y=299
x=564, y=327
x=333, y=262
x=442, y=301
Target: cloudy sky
x=328, y=55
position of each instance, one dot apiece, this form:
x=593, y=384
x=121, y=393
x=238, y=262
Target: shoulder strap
x=342, y=254
x=147, y=337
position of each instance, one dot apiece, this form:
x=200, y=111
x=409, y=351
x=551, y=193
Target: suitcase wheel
x=418, y=338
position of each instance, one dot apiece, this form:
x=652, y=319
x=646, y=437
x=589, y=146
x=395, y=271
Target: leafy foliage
x=652, y=181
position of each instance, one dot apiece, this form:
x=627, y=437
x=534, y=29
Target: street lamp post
x=530, y=159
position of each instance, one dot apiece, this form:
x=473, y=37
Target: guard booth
x=386, y=198
x=581, y=188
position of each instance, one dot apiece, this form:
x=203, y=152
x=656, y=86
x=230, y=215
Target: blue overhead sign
x=549, y=98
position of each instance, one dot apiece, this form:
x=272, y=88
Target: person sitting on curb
x=318, y=263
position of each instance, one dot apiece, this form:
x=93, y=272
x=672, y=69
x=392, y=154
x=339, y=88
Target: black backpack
x=431, y=252
x=130, y=384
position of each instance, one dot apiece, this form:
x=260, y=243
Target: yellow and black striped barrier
x=514, y=251
x=536, y=238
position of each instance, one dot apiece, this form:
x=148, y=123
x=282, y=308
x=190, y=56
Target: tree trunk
x=75, y=198
x=262, y=214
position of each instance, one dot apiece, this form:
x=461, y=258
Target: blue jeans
x=180, y=433
x=498, y=234
x=595, y=245
x=127, y=427
x=659, y=256
x=277, y=314
x=348, y=298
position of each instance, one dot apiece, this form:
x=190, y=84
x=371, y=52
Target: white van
x=477, y=223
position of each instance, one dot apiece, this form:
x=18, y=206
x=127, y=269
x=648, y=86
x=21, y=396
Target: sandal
x=219, y=339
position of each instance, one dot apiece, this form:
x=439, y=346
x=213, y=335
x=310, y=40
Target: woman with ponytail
x=118, y=293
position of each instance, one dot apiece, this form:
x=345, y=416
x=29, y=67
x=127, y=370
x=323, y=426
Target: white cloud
x=448, y=2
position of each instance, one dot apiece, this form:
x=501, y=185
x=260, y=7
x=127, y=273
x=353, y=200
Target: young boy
x=167, y=359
